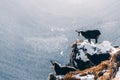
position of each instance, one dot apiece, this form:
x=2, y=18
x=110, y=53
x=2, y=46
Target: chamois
x=98, y=58
x=61, y=70
x=81, y=65
x=90, y=34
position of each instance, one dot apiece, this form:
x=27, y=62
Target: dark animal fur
x=52, y=77
x=61, y=70
x=94, y=59
x=83, y=65
x=90, y=34
x=98, y=58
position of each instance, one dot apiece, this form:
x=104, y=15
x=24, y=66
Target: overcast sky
x=75, y=8
x=71, y=8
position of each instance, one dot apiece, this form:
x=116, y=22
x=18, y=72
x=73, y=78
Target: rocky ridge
x=105, y=69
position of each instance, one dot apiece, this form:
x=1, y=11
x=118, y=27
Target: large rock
x=106, y=56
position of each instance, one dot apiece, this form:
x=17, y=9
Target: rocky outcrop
x=104, y=54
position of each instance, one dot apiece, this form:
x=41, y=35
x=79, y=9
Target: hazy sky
x=74, y=8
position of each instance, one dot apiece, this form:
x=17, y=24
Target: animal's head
x=79, y=32
x=54, y=64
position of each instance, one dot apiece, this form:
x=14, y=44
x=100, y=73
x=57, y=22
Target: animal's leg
x=89, y=40
x=96, y=40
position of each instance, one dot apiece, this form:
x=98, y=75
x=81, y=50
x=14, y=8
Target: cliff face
x=92, y=61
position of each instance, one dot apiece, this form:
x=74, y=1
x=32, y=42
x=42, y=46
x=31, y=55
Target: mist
x=33, y=32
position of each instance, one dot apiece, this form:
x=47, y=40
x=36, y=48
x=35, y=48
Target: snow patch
x=92, y=48
x=82, y=56
x=60, y=77
x=105, y=46
x=87, y=77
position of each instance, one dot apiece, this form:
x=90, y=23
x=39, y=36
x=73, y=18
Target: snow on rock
x=105, y=46
x=55, y=77
x=59, y=77
x=86, y=45
x=92, y=48
x=89, y=54
x=86, y=77
x=105, y=70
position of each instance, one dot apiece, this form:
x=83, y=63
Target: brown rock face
x=104, y=71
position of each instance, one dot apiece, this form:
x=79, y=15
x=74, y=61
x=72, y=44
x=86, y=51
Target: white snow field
x=33, y=32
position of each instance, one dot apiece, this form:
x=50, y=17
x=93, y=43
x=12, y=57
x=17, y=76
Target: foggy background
x=33, y=32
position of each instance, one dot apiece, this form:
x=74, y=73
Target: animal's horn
x=52, y=61
x=77, y=31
